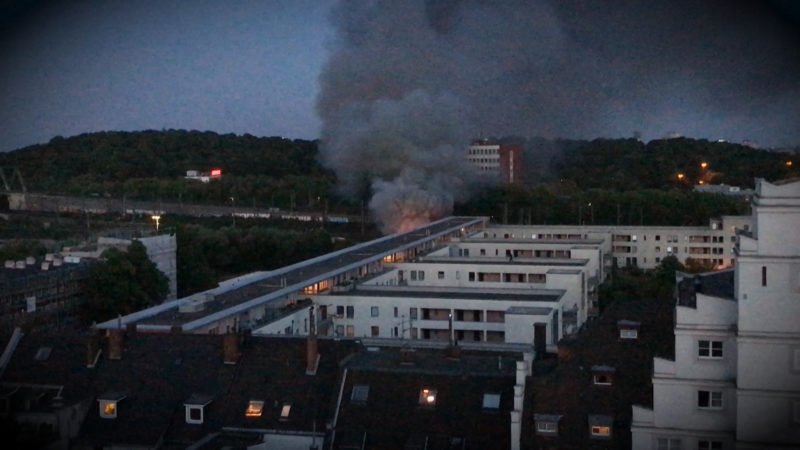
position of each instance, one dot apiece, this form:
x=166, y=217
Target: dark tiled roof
x=567, y=390
x=393, y=418
x=160, y=373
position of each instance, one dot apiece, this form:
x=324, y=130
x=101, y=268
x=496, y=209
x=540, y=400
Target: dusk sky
x=706, y=69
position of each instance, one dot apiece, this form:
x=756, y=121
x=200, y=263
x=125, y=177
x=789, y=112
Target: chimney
x=516, y=429
x=519, y=394
x=230, y=348
x=116, y=340
x=312, y=352
x=522, y=371
x=528, y=358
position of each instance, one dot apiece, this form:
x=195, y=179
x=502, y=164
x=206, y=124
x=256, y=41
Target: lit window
x=709, y=349
x=601, y=431
x=110, y=409
x=108, y=404
x=709, y=399
x=668, y=444
x=350, y=331
x=709, y=445
x=285, y=410
x=360, y=393
x=427, y=397
x=254, y=408
x=491, y=401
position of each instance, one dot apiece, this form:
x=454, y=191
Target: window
x=763, y=275
x=339, y=330
x=43, y=353
x=395, y=311
x=483, y=252
x=602, y=379
x=709, y=445
x=413, y=275
x=628, y=333
x=286, y=409
x=108, y=409
x=440, y=275
x=350, y=312
x=658, y=249
x=351, y=331
x=668, y=444
x=375, y=331
x=658, y=237
x=472, y=276
x=254, y=408
x=412, y=313
x=601, y=431
x=194, y=414
x=421, y=275
x=491, y=401
x=340, y=310
x=427, y=397
x=709, y=399
x=546, y=427
x=360, y=393
x=374, y=311
x=709, y=349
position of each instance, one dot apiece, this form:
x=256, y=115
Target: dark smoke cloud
x=409, y=83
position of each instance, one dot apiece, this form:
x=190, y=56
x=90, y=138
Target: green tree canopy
x=127, y=282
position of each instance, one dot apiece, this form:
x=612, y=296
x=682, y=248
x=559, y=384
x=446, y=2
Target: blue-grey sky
x=244, y=66
x=555, y=68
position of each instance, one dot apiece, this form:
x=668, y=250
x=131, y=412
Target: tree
x=126, y=282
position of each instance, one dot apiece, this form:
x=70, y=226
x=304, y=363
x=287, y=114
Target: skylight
x=285, y=410
x=491, y=401
x=360, y=393
x=43, y=353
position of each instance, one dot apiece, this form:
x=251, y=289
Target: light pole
x=156, y=218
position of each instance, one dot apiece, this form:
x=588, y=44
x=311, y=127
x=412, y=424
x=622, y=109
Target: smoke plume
x=410, y=83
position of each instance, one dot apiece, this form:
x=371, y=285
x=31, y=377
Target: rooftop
x=718, y=284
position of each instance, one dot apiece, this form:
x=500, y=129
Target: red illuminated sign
x=216, y=172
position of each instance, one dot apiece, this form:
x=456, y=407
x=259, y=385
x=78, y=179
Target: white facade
x=735, y=381
x=484, y=156
x=645, y=246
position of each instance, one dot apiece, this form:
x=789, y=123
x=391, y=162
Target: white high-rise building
x=735, y=379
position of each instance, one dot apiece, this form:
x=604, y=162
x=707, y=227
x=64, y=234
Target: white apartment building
x=471, y=290
x=645, y=246
x=484, y=156
x=735, y=379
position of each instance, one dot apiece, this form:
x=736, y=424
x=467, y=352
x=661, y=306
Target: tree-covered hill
x=629, y=164
x=115, y=155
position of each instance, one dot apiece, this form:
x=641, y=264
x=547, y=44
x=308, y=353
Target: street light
x=156, y=217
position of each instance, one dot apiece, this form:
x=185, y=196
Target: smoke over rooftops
x=410, y=83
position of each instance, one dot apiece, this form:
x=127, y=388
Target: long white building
x=735, y=379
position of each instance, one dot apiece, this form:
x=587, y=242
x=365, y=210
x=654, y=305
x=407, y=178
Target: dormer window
x=195, y=408
x=254, y=408
x=546, y=424
x=427, y=397
x=109, y=403
x=628, y=329
x=602, y=375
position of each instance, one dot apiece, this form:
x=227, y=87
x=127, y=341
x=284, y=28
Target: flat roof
x=254, y=290
x=539, y=295
x=499, y=260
